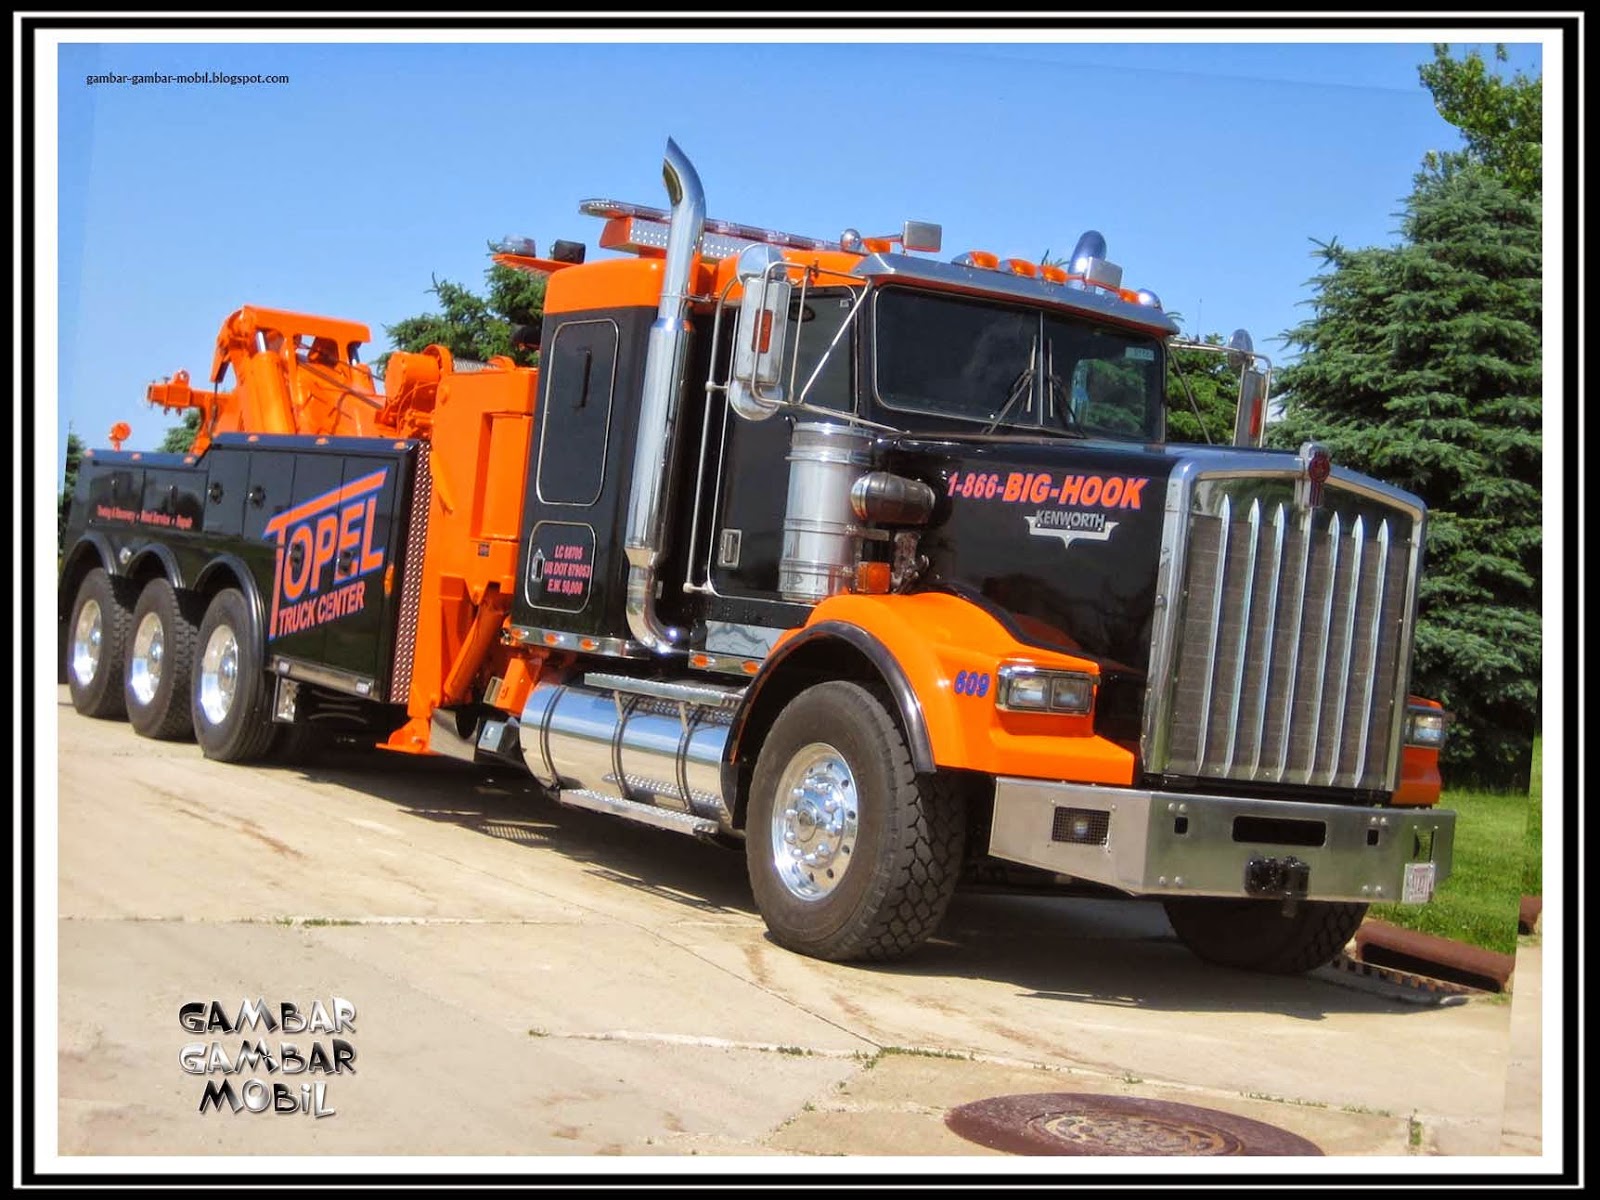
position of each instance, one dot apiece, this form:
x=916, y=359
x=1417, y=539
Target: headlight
x=1071, y=693
x=1426, y=726
x=1028, y=689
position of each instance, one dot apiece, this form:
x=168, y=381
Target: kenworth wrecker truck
x=874, y=563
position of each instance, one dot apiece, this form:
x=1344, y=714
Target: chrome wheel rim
x=814, y=822
x=219, y=674
x=144, y=661
x=86, y=638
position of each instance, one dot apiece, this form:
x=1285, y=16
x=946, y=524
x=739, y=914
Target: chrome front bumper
x=1165, y=843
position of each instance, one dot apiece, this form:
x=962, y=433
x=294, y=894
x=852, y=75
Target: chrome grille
x=1290, y=639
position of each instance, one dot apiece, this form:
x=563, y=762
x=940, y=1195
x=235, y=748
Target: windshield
x=996, y=366
x=1103, y=381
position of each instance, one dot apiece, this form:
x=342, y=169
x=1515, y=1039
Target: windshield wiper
x=1024, y=384
x=1053, y=385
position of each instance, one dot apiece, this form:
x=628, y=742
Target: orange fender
x=946, y=652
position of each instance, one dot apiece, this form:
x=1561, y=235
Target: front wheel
x=1254, y=935
x=230, y=697
x=851, y=854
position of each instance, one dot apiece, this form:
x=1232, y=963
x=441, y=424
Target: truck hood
x=1059, y=539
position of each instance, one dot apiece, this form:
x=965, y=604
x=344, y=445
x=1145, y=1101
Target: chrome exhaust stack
x=660, y=405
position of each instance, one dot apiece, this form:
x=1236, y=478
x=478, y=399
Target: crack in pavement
x=705, y=1042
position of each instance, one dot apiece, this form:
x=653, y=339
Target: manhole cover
x=1069, y=1123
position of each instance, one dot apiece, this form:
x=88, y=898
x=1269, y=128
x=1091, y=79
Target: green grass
x=1283, y=1099
x=1532, y=865
x=1365, y=1111
x=1497, y=862
x=921, y=1052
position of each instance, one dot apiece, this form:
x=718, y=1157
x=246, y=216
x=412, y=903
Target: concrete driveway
x=531, y=980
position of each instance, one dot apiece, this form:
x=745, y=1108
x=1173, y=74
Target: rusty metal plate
x=1077, y=1123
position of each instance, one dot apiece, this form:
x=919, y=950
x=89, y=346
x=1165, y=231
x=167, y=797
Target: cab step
x=644, y=814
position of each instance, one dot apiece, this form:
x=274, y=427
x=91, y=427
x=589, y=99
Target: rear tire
x=231, y=698
x=159, y=660
x=97, y=643
x=851, y=854
x=1254, y=935
x=299, y=745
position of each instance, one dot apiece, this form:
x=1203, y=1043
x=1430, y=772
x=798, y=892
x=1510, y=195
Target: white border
x=46, y=457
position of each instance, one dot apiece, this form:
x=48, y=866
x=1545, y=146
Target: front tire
x=851, y=854
x=160, y=657
x=231, y=699
x=1254, y=935
x=97, y=644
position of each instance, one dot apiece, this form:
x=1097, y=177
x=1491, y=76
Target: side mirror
x=754, y=389
x=1251, y=421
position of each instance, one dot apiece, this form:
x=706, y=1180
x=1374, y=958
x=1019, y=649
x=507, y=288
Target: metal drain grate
x=1073, y=1123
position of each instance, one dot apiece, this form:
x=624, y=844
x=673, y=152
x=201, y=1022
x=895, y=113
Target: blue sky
x=1208, y=167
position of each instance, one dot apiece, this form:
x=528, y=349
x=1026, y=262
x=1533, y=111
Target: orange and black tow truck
x=873, y=563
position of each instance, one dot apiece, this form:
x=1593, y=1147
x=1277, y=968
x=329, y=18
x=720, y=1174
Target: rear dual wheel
x=159, y=663
x=97, y=644
x=230, y=694
x=150, y=661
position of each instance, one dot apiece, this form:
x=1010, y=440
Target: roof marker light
x=1020, y=266
x=1053, y=274
x=512, y=244
x=623, y=237
x=977, y=258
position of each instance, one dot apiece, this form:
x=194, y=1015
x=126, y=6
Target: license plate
x=1417, y=886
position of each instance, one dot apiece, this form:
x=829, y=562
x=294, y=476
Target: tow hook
x=1288, y=878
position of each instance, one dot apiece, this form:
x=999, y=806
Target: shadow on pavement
x=506, y=803
x=1111, y=952
x=1118, y=954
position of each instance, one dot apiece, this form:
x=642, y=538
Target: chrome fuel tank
x=645, y=741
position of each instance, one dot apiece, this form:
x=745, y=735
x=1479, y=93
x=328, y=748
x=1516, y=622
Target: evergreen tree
x=69, y=484
x=477, y=327
x=181, y=436
x=1421, y=366
x=1215, y=388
